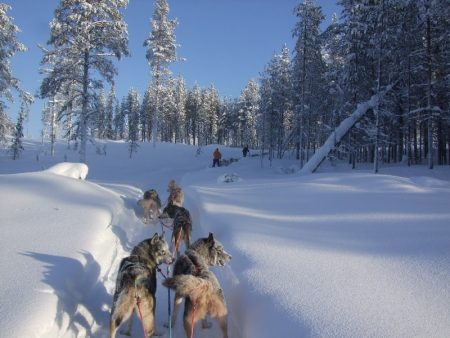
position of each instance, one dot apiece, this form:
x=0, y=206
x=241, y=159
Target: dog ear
x=154, y=238
x=211, y=238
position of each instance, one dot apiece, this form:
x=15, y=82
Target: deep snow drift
x=336, y=253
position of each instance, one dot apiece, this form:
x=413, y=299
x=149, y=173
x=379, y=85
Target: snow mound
x=74, y=170
x=430, y=182
x=229, y=178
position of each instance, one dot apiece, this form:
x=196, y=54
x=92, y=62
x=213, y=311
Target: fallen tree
x=338, y=134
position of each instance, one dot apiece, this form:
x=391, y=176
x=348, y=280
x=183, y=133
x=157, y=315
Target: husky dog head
x=176, y=195
x=153, y=195
x=212, y=251
x=154, y=249
x=161, y=249
x=172, y=185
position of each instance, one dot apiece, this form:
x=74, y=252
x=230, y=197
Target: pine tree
x=210, y=108
x=179, y=117
x=248, y=112
x=269, y=120
x=193, y=106
x=84, y=35
x=276, y=104
x=120, y=120
x=9, y=46
x=17, y=146
x=111, y=102
x=435, y=25
x=334, y=58
x=229, y=122
x=161, y=51
x=308, y=70
x=173, y=110
x=133, y=108
x=99, y=114
x=147, y=113
x=166, y=111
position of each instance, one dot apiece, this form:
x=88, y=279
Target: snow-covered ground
x=338, y=253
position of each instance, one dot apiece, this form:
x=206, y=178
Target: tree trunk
x=377, y=108
x=430, y=114
x=84, y=109
x=156, y=113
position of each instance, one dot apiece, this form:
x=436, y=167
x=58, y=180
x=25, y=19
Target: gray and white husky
x=192, y=280
x=136, y=282
x=151, y=204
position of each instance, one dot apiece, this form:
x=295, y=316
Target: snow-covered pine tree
x=385, y=47
x=435, y=24
x=17, y=145
x=276, y=103
x=270, y=122
x=111, y=102
x=120, y=120
x=248, y=111
x=179, y=118
x=69, y=115
x=387, y=54
x=193, y=106
x=211, y=109
x=9, y=46
x=227, y=126
x=84, y=35
x=334, y=58
x=441, y=82
x=173, y=110
x=133, y=109
x=424, y=71
x=161, y=51
x=202, y=118
x=166, y=111
x=379, y=30
x=308, y=72
x=99, y=114
x=147, y=112
x=358, y=27
x=50, y=121
x=284, y=102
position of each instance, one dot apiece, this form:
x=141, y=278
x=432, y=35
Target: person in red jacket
x=217, y=156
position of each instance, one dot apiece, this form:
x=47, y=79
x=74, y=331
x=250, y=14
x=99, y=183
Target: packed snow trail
x=130, y=230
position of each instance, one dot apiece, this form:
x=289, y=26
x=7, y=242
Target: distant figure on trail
x=217, y=156
x=245, y=150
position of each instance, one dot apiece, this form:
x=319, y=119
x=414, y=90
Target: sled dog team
x=191, y=279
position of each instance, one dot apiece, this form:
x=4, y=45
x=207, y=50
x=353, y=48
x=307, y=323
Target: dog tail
x=189, y=286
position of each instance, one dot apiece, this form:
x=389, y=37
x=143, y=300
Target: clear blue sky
x=225, y=42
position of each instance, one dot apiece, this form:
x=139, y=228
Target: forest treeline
x=298, y=100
